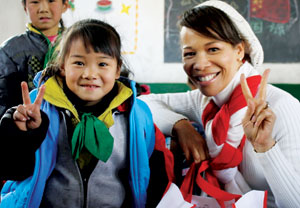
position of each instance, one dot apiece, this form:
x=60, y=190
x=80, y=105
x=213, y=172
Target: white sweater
x=277, y=170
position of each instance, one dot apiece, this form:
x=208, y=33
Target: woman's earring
x=240, y=59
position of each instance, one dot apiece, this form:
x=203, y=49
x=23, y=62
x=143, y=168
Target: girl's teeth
x=207, y=78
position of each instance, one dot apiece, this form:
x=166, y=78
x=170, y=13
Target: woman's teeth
x=207, y=78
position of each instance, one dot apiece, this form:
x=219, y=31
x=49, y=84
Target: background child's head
x=89, y=58
x=45, y=15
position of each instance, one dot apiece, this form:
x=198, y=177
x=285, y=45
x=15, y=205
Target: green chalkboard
x=275, y=22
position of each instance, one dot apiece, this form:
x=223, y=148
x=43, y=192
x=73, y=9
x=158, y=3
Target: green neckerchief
x=92, y=134
x=55, y=95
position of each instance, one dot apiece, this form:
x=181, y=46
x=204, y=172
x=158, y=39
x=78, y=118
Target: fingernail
x=30, y=112
x=253, y=118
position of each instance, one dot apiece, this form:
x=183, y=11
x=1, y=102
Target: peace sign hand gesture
x=28, y=115
x=259, y=119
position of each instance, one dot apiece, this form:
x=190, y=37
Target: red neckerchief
x=229, y=156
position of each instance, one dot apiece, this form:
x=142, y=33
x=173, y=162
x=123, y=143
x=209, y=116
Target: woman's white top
x=278, y=169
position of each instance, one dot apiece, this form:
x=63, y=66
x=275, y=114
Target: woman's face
x=90, y=75
x=210, y=64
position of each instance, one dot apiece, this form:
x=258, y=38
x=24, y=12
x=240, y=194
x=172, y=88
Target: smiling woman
x=251, y=128
x=210, y=64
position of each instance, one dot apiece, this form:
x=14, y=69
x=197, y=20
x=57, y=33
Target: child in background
x=90, y=142
x=22, y=56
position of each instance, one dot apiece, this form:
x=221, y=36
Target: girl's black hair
x=211, y=22
x=98, y=35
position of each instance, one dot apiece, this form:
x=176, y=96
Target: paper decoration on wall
x=125, y=9
x=71, y=5
x=270, y=10
x=104, y=5
x=122, y=14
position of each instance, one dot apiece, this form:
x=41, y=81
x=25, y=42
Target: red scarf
x=229, y=156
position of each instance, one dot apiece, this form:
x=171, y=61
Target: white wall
x=12, y=18
x=142, y=28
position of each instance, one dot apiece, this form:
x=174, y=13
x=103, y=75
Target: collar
x=224, y=95
x=54, y=87
x=33, y=29
x=30, y=27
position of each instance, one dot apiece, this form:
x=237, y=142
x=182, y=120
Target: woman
x=248, y=123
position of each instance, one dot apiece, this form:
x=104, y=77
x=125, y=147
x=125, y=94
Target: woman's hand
x=28, y=115
x=259, y=119
x=192, y=143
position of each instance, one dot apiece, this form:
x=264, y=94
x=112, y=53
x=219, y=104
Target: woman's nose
x=201, y=62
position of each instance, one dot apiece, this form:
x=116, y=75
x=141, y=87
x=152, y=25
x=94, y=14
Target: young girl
x=22, y=56
x=93, y=138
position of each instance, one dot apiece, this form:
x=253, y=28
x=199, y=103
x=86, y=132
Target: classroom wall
x=12, y=18
x=141, y=25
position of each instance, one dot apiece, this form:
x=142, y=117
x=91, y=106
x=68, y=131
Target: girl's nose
x=202, y=61
x=89, y=73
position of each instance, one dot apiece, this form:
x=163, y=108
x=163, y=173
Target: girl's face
x=210, y=64
x=45, y=14
x=88, y=74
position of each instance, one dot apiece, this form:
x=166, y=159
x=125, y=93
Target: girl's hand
x=192, y=143
x=259, y=119
x=28, y=115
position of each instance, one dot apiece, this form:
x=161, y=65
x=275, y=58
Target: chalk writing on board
x=276, y=24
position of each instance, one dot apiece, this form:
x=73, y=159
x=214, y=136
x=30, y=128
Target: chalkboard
x=275, y=22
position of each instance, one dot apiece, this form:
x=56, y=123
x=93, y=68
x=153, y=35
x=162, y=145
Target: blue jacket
x=28, y=193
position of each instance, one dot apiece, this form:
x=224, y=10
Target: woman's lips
x=206, y=79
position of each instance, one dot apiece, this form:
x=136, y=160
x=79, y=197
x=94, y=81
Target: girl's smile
x=90, y=75
x=89, y=86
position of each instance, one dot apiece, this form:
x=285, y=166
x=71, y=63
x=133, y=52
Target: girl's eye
x=102, y=64
x=189, y=54
x=213, y=49
x=78, y=63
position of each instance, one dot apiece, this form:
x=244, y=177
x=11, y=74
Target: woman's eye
x=188, y=54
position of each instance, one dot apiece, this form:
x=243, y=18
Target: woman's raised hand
x=259, y=119
x=28, y=115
